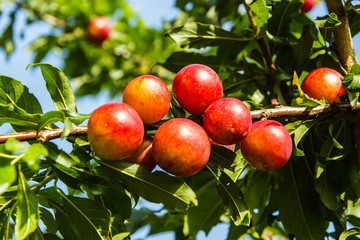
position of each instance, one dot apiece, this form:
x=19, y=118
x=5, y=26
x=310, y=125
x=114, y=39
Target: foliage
x=48, y=193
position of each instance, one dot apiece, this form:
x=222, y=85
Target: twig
x=44, y=135
x=271, y=113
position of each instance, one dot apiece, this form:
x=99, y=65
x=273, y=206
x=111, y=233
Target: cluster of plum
x=180, y=146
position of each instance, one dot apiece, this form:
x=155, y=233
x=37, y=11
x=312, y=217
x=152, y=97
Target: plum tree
x=227, y=121
x=115, y=131
x=195, y=87
x=55, y=184
x=181, y=147
x=149, y=96
x=268, y=145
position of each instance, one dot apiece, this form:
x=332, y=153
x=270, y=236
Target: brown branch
x=344, y=45
x=44, y=135
x=271, y=113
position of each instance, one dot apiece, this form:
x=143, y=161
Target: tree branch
x=344, y=45
x=271, y=113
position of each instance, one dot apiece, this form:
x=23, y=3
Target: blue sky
x=153, y=12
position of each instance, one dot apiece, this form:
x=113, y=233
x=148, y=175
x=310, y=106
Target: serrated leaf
x=329, y=21
x=58, y=86
x=27, y=210
x=231, y=196
x=199, y=35
x=157, y=186
x=261, y=12
x=88, y=218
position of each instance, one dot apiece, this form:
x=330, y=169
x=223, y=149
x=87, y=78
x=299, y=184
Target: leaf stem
x=17, y=159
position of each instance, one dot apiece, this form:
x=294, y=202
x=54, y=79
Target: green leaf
x=281, y=17
x=261, y=12
x=17, y=106
x=67, y=128
x=48, y=219
x=157, y=186
x=222, y=156
x=114, y=193
x=324, y=187
x=294, y=207
x=121, y=236
x=65, y=167
x=199, y=35
x=33, y=153
x=27, y=210
x=299, y=129
x=50, y=118
x=329, y=21
x=58, y=86
x=257, y=193
x=302, y=50
x=7, y=177
x=350, y=232
x=207, y=213
x=13, y=145
x=231, y=196
x=88, y=218
x=355, y=69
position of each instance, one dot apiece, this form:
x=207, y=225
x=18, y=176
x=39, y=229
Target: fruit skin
x=149, y=96
x=143, y=155
x=323, y=83
x=115, y=131
x=99, y=29
x=195, y=87
x=268, y=145
x=181, y=147
x=227, y=121
x=308, y=5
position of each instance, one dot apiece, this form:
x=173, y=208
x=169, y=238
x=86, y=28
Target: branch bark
x=284, y=112
x=344, y=44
